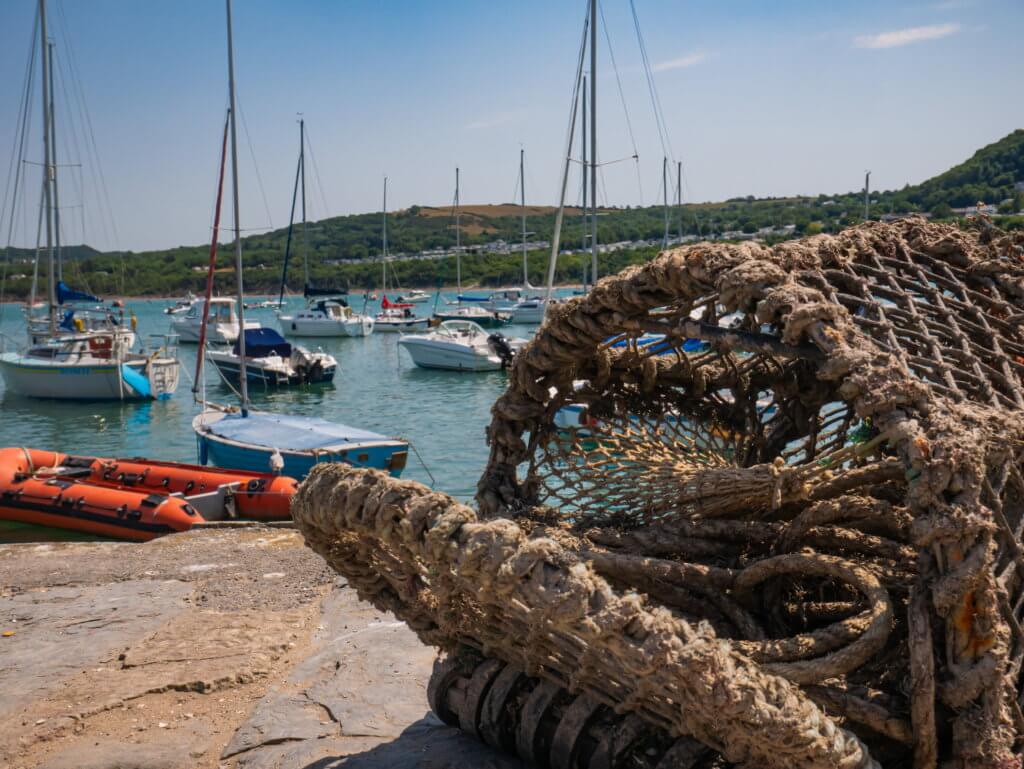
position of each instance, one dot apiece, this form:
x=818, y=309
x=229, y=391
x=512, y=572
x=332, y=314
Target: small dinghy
x=133, y=499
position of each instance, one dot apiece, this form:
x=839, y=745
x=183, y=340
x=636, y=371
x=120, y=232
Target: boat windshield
x=459, y=328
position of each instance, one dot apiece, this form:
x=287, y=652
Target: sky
x=759, y=98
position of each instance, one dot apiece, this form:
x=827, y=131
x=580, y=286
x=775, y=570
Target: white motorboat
x=273, y=362
x=414, y=296
x=182, y=305
x=530, y=310
x=90, y=367
x=326, y=317
x=461, y=345
x=221, y=325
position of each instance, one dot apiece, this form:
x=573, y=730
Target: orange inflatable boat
x=134, y=499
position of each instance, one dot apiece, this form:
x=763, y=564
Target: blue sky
x=786, y=97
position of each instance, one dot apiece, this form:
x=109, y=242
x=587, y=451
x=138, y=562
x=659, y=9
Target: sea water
x=442, y=414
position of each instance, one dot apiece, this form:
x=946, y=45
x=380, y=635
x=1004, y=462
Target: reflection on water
x=444, y=414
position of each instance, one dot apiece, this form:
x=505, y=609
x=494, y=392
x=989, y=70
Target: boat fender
x=276, y=463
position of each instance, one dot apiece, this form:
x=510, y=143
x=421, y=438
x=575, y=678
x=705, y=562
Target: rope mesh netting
x=770, y=499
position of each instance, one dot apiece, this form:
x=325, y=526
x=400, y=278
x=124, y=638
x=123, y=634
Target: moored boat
x=134, y=499
x=272, y=361
x=460, y=345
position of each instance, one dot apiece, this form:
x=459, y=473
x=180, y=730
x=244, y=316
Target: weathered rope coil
x=768, y=498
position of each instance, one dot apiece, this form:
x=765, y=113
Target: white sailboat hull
x=528, y=312
x=325, y=327
x=85, y=382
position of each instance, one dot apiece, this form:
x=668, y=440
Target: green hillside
x=990, y=175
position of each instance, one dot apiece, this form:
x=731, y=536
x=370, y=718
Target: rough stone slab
x=281, y=719
x=173, y=749
x=60, y=631
x=369, y=673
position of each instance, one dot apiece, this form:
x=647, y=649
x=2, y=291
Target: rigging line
x=316, y=174
x=659, y=115
x=16, y=179
x=18, y=149
x=75, y=127
x=259, y=177
x=79, y=91
x=622, y=98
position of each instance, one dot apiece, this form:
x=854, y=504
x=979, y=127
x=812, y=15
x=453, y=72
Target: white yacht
x=182, y=305
x=326, y=317
x=415, y=296
x=530, y=310
x=221, y=325
x=461, y=345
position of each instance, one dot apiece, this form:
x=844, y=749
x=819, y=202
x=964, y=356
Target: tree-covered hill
x=346, y=249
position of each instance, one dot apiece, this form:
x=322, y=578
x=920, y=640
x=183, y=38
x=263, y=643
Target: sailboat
x=327, y=312
x=393, y=316
x=471, y=312
x=71, y=360
x=530, y=309
x=244, y=439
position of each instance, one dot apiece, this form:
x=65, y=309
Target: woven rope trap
x=769, y=498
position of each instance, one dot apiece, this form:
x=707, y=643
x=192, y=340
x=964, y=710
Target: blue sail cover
x=66, y=294
x=262, y=342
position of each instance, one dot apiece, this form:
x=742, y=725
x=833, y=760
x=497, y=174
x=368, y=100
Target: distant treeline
x=993, y=175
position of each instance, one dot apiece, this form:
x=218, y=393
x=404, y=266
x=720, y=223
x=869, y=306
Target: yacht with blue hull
x=291, y=445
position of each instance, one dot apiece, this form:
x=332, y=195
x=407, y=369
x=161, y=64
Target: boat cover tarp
x=67, y=294
x=262, y=342
x=289, y=432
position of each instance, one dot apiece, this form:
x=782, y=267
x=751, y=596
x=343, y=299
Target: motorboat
x=182, y=305
x=90, y=367
x=395, y=317
x=414, y=296
x=261, y=441
x=530, y=310
x=326, y=317
x=272, y=361
x=461, y=345
x=473, y=313
x=221, y=324
x=500, y=300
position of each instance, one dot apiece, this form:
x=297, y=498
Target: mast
x=242, y=374
x=679, y=197
x=522, y=198
x=302, y=172
x=53, y=163
x=664, y=187
x=458, y=240
x=867, y=195
x=583, y=175
x=593, y=139
x=47, y=168
x=291, y=227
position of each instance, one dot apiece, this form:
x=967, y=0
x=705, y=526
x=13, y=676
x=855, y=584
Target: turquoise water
x=443, y=414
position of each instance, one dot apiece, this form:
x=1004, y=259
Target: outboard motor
x=499, y=343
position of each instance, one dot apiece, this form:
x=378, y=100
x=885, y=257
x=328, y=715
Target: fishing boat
x=414, y=296
x=326, y=317
x=91, y=367
x=271, y=361
x=395, y=317
x=461, y=345
x=239, y=437
x=221, y=319
x=133, y=499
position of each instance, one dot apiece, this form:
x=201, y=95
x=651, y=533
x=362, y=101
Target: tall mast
x=384, y=241
x=522, y=198
x=291, y=227
x=593, y=139
x=458, y=239
x=302, y=171
x=583, y=177
x=242, y=374
x=47, y=168
x=53, y=164
x=867, y=195
x=679, y=197
x=664, y=187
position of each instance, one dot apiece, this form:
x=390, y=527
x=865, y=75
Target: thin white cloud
x=900, y=37
x=493, y=121
x=954, y=5
x=682, y=62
